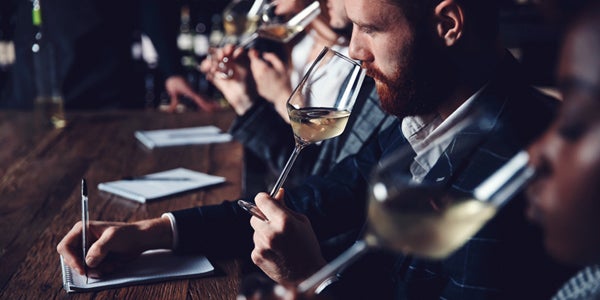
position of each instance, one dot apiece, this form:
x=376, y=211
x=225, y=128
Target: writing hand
x=113, y=244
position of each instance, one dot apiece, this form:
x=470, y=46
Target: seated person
x=432, y=62
x=564, y=197
x=258, y=91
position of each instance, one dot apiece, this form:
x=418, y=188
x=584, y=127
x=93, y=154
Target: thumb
x=279, y=196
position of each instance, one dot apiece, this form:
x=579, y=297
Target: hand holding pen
x=98, y=248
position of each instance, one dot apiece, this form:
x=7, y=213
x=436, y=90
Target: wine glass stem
x=286, y=169
x=359, y=248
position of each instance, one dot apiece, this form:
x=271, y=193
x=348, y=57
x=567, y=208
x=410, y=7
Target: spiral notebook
x=152, y=266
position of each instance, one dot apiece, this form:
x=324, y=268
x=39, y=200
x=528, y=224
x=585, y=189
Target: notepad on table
x=159, y=185
x=182, y=136
x=151, y=266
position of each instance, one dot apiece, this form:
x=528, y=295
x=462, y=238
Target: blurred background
x=523, y=30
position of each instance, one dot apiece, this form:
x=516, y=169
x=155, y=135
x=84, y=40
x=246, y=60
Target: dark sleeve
x=216, y=230
x=336, y=203
x=160, y=21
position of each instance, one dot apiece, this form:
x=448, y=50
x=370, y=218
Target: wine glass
x=415, y=215
x=242, y=17
x=268, y=28
x=319, y=107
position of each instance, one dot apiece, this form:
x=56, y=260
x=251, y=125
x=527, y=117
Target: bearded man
x=435, y=63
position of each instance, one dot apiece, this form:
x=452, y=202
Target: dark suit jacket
x=497, y=263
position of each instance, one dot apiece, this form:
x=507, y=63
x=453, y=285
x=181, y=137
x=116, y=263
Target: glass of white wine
x=319, y=107
x=418, y=216
x=263, y=27
x=241, y=18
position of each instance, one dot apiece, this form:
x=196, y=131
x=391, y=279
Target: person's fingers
x=110, y=264
x=253, y=54
x=262, y=256
x=257, y=224
x=174, y=103
x=70, y=248
x=205, y=65
x=271, y=207
x=227, y=50
x=279, y=195
x=257, y=65
x=274, y=60
x=237, y=52
x=100, y=249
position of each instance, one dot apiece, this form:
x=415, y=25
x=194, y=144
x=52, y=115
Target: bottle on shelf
x=48, y=102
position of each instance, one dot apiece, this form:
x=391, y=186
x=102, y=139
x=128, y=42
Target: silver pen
x=85, y=219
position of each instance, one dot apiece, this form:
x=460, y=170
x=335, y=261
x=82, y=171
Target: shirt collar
x=422, y=133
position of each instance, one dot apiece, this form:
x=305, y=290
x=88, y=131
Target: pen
x=150, y=178
x=86, y=223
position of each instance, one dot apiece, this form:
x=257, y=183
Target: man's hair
x=482, y=17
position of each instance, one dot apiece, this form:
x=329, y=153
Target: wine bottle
x=48, y=102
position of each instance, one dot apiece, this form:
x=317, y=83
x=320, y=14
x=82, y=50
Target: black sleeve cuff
x=217, y=230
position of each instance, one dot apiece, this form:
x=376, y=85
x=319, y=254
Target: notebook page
x=151, y=266
x=146, y=189
x=182, y=136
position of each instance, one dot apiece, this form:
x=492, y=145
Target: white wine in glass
x=284, y=32
x=417, y=216
x=319, y=107
x=241, y=18
x=267, y=28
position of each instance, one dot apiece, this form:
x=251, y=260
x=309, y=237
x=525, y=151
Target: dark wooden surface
x=40, y=175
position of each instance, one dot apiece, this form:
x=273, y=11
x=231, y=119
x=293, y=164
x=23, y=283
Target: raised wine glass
x=416, y=215
x=319, y=107
x=264, y=27
x=241, y=18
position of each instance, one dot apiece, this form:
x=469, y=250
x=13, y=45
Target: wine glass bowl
x=311, y=125
x=285, y=31
x=263, y=25
x=319, y=107
x=421, y=218
x=241, y=18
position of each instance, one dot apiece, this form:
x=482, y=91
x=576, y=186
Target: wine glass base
x=252, y=209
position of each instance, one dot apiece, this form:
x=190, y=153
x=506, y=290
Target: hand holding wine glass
x=319, y=106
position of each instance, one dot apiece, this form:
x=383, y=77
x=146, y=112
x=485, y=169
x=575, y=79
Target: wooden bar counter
x=40, y=176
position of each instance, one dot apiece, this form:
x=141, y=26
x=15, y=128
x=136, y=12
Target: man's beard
x=419, y=85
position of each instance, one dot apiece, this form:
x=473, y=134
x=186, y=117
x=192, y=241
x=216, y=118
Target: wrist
x=242, y=105
x=156, y=233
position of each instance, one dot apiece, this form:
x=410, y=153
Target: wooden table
x=40, y=175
